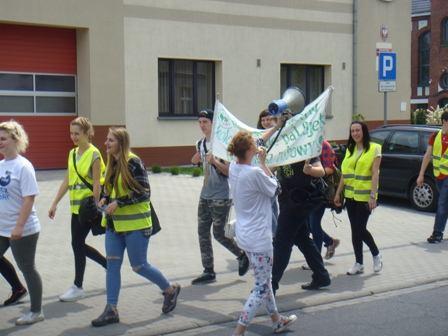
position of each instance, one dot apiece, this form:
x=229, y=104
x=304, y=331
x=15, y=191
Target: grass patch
x=183, y=170
x=156, y=169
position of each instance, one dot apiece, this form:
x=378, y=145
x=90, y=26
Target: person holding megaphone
x=295, y=202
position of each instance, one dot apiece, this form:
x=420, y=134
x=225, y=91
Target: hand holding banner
x=300, y=139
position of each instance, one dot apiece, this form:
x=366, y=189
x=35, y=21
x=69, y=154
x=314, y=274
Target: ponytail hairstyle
x=240, y=144
x=17, y=133
x=119, y=166
x=85, y=125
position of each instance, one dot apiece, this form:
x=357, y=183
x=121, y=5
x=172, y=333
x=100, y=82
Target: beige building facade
x=152, y=64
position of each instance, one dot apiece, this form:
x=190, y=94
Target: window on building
x=37, y=93
x=424, y=44
x=444, y=81
x=444, y=39
x=443, y=102
x=308, y=78
x=185, y=87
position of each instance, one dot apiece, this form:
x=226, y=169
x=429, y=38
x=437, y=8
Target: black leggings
x=358, y=214
x=81, y=250
x=9, y=273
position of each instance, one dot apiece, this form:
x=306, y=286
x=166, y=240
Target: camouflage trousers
x=213, y=213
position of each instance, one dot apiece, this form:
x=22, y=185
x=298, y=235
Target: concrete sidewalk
x=399, y=232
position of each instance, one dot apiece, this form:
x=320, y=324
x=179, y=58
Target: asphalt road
x=420, y=311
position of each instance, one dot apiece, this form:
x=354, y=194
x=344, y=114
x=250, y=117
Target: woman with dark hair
x=252, y=189
x=264, y=120
x=359, y=181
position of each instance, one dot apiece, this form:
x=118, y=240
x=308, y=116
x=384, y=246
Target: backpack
x=331, y=185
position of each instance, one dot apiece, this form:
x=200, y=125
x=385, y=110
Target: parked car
x=403, y=148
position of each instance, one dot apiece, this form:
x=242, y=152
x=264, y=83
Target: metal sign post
x=387, y=75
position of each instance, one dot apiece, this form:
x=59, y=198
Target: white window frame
x=33, y=93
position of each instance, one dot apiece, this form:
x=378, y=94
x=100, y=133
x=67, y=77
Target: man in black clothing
x=296, y=203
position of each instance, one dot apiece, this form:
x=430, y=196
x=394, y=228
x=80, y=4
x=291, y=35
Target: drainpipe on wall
x=355, y=60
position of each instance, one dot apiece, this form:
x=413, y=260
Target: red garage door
x=38, y=88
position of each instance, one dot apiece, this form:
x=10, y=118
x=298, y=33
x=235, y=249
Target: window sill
x=177, y=118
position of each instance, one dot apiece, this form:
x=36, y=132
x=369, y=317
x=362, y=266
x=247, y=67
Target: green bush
x=358, y=117
x=419, y=117
x=156, y=169
x=174, y=170
x=196, y=172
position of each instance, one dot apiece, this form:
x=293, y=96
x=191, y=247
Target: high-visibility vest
x=77, y=189
x=439, y=159
x=357, y=173
x=129, y=217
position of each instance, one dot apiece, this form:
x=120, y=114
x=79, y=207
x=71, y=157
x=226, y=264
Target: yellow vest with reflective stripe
x=77, y=189
x=439, y=159
x=357, y=173
x=129, y=217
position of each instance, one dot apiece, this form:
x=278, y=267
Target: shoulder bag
x=88, y=211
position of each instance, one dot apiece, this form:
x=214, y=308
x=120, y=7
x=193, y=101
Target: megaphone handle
x=276, y=137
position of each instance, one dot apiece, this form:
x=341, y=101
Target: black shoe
x=243, y=264
x=315, y=285
x=16, y=295
x=436, y=237
x=170, y=300
x=109, y=316
x=204, y=278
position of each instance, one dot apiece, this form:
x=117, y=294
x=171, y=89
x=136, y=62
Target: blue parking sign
x=387, y=66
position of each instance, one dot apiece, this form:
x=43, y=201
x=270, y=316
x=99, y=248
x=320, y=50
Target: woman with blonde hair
x=128, y=224
x=84, y=162
x=252, y=189
x=19, y=225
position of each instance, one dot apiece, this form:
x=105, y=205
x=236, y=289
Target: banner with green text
x=300, y=139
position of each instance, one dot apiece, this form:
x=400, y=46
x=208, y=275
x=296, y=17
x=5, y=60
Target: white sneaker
x=283, y=323
x=30, y=318
x=72, y=294
x=377, y=263
x=356, y=269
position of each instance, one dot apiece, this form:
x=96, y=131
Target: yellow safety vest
x=439, y=159
x=129, y=217
x=357, y=173
x=77, y=189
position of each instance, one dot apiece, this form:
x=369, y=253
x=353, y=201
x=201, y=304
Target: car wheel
x=424, y=198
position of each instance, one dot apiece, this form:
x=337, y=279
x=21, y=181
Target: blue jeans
x=319, y=235
x=442, y=206
x=136, y=244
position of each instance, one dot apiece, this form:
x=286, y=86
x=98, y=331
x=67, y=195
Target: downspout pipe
x=355, y=58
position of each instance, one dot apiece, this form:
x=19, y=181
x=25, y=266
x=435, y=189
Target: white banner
x=300, y=139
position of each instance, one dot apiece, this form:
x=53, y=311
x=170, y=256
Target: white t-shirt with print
x=17, y=180
x=252, y=191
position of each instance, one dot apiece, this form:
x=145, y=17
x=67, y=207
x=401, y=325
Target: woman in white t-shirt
x=19, y=225
x=252, y=189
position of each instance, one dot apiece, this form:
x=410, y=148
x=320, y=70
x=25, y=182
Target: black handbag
x=88, y=211
x=155, y=221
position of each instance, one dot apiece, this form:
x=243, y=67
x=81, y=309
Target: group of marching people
x=274, y=211
x=119, y=188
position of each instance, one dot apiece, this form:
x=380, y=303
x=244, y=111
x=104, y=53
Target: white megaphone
x=293, y=100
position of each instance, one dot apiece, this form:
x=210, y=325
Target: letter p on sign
x=387, y=66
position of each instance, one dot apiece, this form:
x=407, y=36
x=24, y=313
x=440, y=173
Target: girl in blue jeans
x=128, y=224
